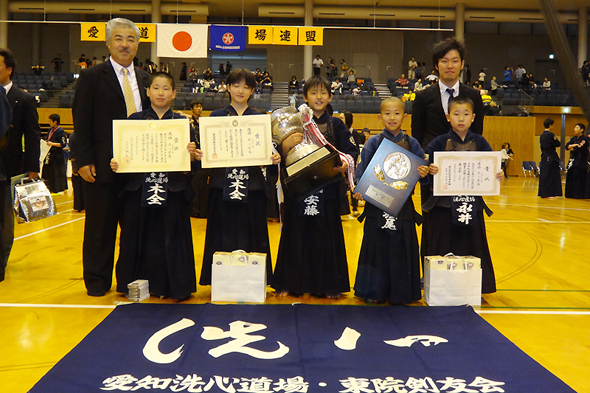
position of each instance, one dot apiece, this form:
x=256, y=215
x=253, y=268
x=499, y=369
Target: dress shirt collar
x=8, y=86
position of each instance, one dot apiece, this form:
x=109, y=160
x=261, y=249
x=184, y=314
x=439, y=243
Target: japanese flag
x=182, y=40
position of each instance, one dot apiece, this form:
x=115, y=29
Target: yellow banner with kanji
x=92, y=31
x=311, y=36
x=260, y=35
x=147, y=32
x=285, y=35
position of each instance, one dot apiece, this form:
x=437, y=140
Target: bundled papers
x=138, y=290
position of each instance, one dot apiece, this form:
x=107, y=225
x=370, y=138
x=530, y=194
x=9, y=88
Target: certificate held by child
x=236, y=141
x=141, y=146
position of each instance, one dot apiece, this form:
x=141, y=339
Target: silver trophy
x=308, y=167
x=286, y=122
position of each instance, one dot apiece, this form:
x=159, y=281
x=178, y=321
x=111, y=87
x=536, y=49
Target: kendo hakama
x=445, y=233
x=550, y=173
x=236, y=224
x=389, y=260
x=312, y=249
x=575, y=182
x=156, y=242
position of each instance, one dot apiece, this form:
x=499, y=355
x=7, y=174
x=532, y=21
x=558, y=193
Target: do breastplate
x=456, y=146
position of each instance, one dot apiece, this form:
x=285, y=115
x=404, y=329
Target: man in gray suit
x=99, y=99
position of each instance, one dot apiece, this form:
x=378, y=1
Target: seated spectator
x=418, y=85
x=351, y=75
x=547, y=84
x=530, y=81
x=409, y=96
x=336, y=86
x=432, y=77
x=222, y=88
x=402, y=81
x=267, y=80
x=258, y=76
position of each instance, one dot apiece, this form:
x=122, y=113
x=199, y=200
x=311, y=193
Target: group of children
x=312, y=254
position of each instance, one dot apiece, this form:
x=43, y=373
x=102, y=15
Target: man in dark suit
x=432, y=104
x=108, y=91
x=25, y=122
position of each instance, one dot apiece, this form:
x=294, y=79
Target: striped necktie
x=128, y=93
x=451, y=94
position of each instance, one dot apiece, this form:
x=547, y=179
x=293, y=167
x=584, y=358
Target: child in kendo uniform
x=456, y=224
x=312, y=255
x=156, y=241
x=389, y=260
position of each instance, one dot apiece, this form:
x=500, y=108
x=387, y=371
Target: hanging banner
x=311, y=36
x=92, y=31
x=182, y=40
x=260, y=35
x=227, y=38
x=147, y=32
x=285, y=35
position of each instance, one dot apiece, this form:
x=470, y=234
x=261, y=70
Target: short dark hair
x=241, y=74
x=460, y=100
x=196, y=102
x=329, y=109
x=582, y=127
x=55, y=117
x=162, y=74
x=9, y=59
x=316, y=81
x=548, y=122
x=442, y=48
x=347, y=118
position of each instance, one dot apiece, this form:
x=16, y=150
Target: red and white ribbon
x=314, y=135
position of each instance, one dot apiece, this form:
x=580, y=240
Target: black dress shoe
x=96, y=293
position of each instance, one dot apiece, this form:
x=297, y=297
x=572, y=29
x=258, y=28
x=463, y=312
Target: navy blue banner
x=299, y=348
x=227, y=38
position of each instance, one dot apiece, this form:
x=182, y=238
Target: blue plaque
x=390, y=177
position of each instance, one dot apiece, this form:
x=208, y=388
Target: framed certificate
x=151, y=145
x=467, y=173
x=233, y=141
x=390, y=177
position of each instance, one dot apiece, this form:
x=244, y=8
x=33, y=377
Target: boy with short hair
x=444, y=230
x=312, y=255
x=156, y=241
x=389, y=261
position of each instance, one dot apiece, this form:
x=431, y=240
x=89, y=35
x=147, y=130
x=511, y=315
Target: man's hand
x=33, y=175
x=88, y=172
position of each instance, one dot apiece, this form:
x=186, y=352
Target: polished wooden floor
x=538, y=247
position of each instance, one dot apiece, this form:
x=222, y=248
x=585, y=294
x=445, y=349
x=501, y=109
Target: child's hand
x=276, y=158
x=342, y=168
x=114, y=165
x=500, y=175
x=292, y=140
x=198, y=154
x=423, y=170
x=357, y=196
x=433, y=169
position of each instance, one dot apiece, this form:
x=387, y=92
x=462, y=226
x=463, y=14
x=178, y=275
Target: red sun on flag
x=182, y=41
x=228, y=38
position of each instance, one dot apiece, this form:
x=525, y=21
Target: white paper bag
x=452, y=287
x=238, y=283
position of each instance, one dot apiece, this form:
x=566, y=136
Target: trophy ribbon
x=314, y=135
